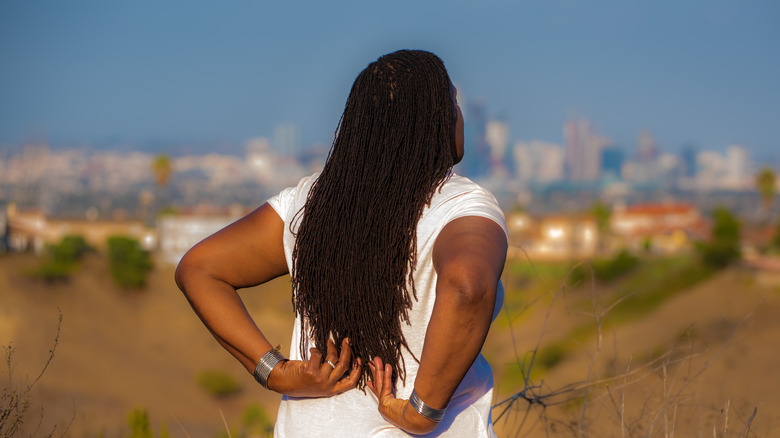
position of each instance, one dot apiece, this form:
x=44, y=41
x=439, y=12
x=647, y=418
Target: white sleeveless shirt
x=354, y=413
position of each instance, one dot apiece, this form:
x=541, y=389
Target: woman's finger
x=371, y=381
x=332, y=354
x=379, y=378
x=315, y=360
x=387, y=387
x=351, y=380
x=344, y=360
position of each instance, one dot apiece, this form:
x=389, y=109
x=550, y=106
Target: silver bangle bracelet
x=433, y=414
x=266, y=364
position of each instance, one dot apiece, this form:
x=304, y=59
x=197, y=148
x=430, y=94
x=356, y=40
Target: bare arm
x=468, y=256
x=247, y=253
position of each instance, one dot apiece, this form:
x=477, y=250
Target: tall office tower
x=647, y=151
x=669, y=169
x=476, y=161
x=497, y=137
x=711, y=168
x=688, y=156
x=260, y=158
x=737, y=167
x=286, y=139
x=583, y=150
x=539, y=161
x=612, y=162
x=645, y=168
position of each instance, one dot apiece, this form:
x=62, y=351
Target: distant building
x=712, y=168
x=583, y=150
x=645, y=168
x=179, y=233
x=647, y=150
x=738, y=175
x=497, y=137
x=286, y=139
x=539, y=161
x=688, y=156
x=669, y=169
x=552, y=237
x=476, y=161
x=32, y=230
x=260, y=158
x=566, y=236
x=612, y=162
x=664, y=227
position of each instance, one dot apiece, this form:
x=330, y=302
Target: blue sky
x=218, y=73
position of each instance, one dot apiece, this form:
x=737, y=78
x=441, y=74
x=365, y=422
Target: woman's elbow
x=469, y=288
x=184, y=270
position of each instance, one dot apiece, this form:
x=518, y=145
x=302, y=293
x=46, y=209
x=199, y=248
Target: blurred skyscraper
x=738, y=168
x=612, y=162
x=645, y=168
x=539, y=161
x=583, y=150
x=476, y=161
x=286, y=139
x=647, y=150
x=688, y=156
x=260, y=158
x=497, y=137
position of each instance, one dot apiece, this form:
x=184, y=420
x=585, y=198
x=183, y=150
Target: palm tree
x=766, y=183
x=162, y=168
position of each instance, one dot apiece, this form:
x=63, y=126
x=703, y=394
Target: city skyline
x=141, y=74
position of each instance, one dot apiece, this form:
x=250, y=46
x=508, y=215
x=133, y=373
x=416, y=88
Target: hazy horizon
x=162, y=76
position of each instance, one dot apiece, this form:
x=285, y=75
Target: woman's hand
x=315, y=378
x=395, y=410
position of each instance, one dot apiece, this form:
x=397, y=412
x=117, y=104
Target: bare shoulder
x=473, y=244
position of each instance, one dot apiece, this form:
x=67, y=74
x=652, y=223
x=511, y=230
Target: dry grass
x=657, y=395
x=693, y=365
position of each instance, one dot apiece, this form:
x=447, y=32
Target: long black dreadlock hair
x=356, y=246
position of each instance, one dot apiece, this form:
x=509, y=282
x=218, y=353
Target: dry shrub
x=15, y=398
x=654, y=397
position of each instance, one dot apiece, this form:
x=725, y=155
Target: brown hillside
x=124, y=349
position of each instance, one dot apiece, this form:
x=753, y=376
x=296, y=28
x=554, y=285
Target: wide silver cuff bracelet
x=266, y=364
x=433, y=414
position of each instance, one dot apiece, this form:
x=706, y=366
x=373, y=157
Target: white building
x=540, y=161
x=177, y=234
x=738, y=175
x=583, y=150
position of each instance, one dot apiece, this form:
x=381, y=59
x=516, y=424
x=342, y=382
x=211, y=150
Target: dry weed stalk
x=15, y=397
x=539, y=395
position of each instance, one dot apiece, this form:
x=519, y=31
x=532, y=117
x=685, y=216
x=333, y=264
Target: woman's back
x=469, y=411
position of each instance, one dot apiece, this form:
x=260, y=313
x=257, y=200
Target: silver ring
x=331, y=364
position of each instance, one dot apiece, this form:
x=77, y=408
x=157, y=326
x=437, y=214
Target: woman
x=395, y=265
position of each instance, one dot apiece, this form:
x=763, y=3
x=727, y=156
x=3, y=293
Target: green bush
x=218, y=383
x=775, y=242
x=62, y=258
x=256, y=422
x=622, y=263
x=551, y=355
x=128, y=262
x=140, y=426
x=70, y=248
x=723, y=248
